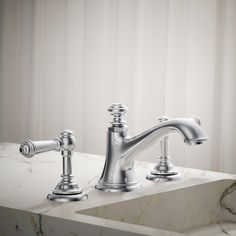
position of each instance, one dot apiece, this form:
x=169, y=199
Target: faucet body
x=118, y=173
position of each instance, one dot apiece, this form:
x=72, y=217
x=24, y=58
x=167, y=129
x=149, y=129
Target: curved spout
x=118, y=172
x=191, y=132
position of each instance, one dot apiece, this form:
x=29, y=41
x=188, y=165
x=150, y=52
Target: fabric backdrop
x=63, y=62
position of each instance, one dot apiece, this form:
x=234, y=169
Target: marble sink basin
x=204, y=209
x=197, y=202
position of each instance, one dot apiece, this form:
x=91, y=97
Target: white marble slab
x=179, y=210
x=25, y=183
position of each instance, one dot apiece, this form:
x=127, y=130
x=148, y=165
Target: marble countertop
x=25, y=184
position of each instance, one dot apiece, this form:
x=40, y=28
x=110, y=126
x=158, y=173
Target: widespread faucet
x=118, y=172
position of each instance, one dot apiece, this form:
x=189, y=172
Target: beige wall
x=62, y=63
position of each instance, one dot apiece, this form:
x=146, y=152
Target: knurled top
x=118, y=110
x=67, y=140
x=66, y=133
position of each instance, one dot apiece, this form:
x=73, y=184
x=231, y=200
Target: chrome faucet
x=67, y=189
x=118, y=173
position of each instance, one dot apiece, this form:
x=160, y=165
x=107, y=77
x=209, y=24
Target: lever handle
x=163, y=118
x=66, y=189
x=197, y=120
x=31, y=148
x=66, y=142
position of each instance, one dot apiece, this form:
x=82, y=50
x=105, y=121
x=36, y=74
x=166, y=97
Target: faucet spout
x=191, y=132
x=118, y=173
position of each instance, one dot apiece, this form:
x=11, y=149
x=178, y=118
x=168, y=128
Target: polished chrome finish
x=197, y=120
x=164, y=168
x=118, y=173
x=31, y=148
x=66, y=189
x=118, y=110
x=67, y=198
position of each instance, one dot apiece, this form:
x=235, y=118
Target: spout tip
x=196, y=141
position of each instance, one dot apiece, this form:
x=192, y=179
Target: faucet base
x=67, y=191
x=155, y=177
x=162, y=169
x=114, y=188
x=67, y=198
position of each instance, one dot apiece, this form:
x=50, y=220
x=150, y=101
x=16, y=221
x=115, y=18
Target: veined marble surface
x=24, y=209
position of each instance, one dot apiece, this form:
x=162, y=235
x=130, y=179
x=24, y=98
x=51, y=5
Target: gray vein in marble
x=37, y=225
x=143, y=210
x=89, y=186
x=90, y=181
x=53, y=207
x=45, y=207
x=228, y=191
x=222, y=229
x=214, y=218
x=40, y=225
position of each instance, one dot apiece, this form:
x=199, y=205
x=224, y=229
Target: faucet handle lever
x=197, y=120
x=66, y=142
x=66, y=189
x=30, y=148
x=118, y=110
x=163, y=118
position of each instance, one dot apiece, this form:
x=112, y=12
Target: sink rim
x=137, y=226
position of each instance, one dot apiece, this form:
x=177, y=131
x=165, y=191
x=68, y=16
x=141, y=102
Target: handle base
x=67, y=198
x=67, y=186
x=67, y=191
x=163, y=169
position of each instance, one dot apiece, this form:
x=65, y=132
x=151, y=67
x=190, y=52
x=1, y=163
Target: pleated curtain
x=64, y=62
